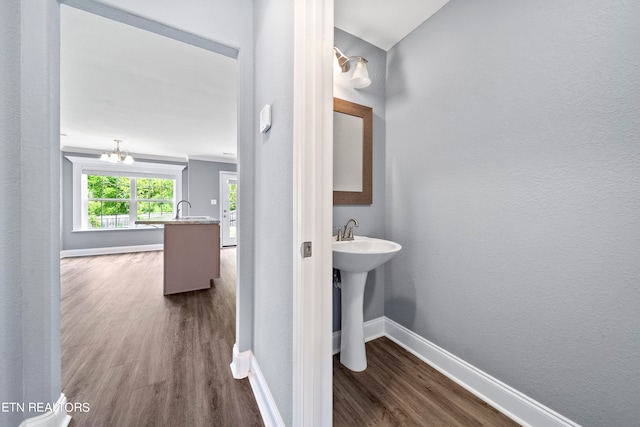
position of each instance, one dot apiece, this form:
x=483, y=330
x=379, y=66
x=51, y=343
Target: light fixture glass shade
x=360, y=77
x=117, y=156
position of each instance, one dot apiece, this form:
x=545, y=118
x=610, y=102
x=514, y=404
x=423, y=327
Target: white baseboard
x=58, y=417
x=112, y=250
x=241, y=363
x=268, y=409
x=504, y=398
x=507, y=400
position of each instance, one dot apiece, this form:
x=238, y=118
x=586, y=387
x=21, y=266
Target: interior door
x=228, y=194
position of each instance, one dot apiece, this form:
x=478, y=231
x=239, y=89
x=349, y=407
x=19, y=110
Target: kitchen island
x=191, y=252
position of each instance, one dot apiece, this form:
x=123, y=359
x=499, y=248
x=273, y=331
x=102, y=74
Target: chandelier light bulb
x=117, y=156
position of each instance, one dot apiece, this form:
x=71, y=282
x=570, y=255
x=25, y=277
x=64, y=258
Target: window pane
x=108, y=214
x=167, y=207
x=109, y=187
x=154, y=210
x=123, y=184
x=142, y=185
x=232, y=196
x=95, y=215
x=167, y=192
x=154, y=189
x=94, y=186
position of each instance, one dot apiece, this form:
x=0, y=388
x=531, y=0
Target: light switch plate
x=265, y=118
x=214, y=201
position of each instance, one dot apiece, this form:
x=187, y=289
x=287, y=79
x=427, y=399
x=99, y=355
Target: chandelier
x=117, y=156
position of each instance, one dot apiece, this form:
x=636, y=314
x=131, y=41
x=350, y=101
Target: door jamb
x=312, y=216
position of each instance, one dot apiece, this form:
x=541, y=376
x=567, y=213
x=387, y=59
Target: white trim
x=514, y=404
x=137, y=156
x=137, y=167
x=268, y=409
x=233, y=160
x=241, y=363
x=112, y=250
x=56, y=418
x=312, y=212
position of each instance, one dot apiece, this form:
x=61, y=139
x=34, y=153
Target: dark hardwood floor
x=139, y=358
x=398, y=389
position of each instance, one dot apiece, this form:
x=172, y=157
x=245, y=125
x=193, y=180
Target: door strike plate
x=306, y=249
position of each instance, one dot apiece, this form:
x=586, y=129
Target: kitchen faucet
x=178, y=208
x=347, y=233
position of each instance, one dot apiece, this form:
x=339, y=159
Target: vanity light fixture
x=117, y=156
x=360, y=78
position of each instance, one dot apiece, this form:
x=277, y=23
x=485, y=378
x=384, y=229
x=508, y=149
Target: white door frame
x=223, y=203
x=313, y=215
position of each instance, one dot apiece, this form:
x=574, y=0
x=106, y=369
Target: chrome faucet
x=347, y=233
x=178, y=208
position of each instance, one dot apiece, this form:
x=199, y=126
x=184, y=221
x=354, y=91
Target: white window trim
x=82, y=164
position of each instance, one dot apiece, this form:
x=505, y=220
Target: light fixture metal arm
x=343, y=60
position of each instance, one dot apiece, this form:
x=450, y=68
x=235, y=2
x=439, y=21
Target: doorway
x=228, y=207
x=185, y=38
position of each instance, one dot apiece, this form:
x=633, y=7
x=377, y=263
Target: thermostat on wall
x=265, y=118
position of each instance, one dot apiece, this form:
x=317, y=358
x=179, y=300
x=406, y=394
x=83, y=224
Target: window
x=108, y=197
x=117, y=201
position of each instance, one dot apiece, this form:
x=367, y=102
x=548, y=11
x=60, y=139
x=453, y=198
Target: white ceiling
x=383, y=23
x=159, y=96
x=162, y=97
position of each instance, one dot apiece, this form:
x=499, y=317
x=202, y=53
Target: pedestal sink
x=355, y=258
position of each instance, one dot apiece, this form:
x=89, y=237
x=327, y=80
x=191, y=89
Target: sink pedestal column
x=352, y=351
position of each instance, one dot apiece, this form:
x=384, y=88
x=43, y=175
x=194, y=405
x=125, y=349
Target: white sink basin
x=354, y=259
x=362, y=254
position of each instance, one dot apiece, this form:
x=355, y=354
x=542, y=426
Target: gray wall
x=30, y=205
x=513, y=183
x=273, y=329
x=204, y=185
x=10, y=225
x=370, y=217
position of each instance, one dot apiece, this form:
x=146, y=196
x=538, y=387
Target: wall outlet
x=214, y=202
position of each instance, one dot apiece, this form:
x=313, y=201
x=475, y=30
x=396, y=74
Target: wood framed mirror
x=352, y=153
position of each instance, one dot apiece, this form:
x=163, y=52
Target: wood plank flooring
x=141, y=359
x=398, y=389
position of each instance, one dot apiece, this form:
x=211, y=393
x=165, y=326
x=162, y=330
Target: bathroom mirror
x=352, y=153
